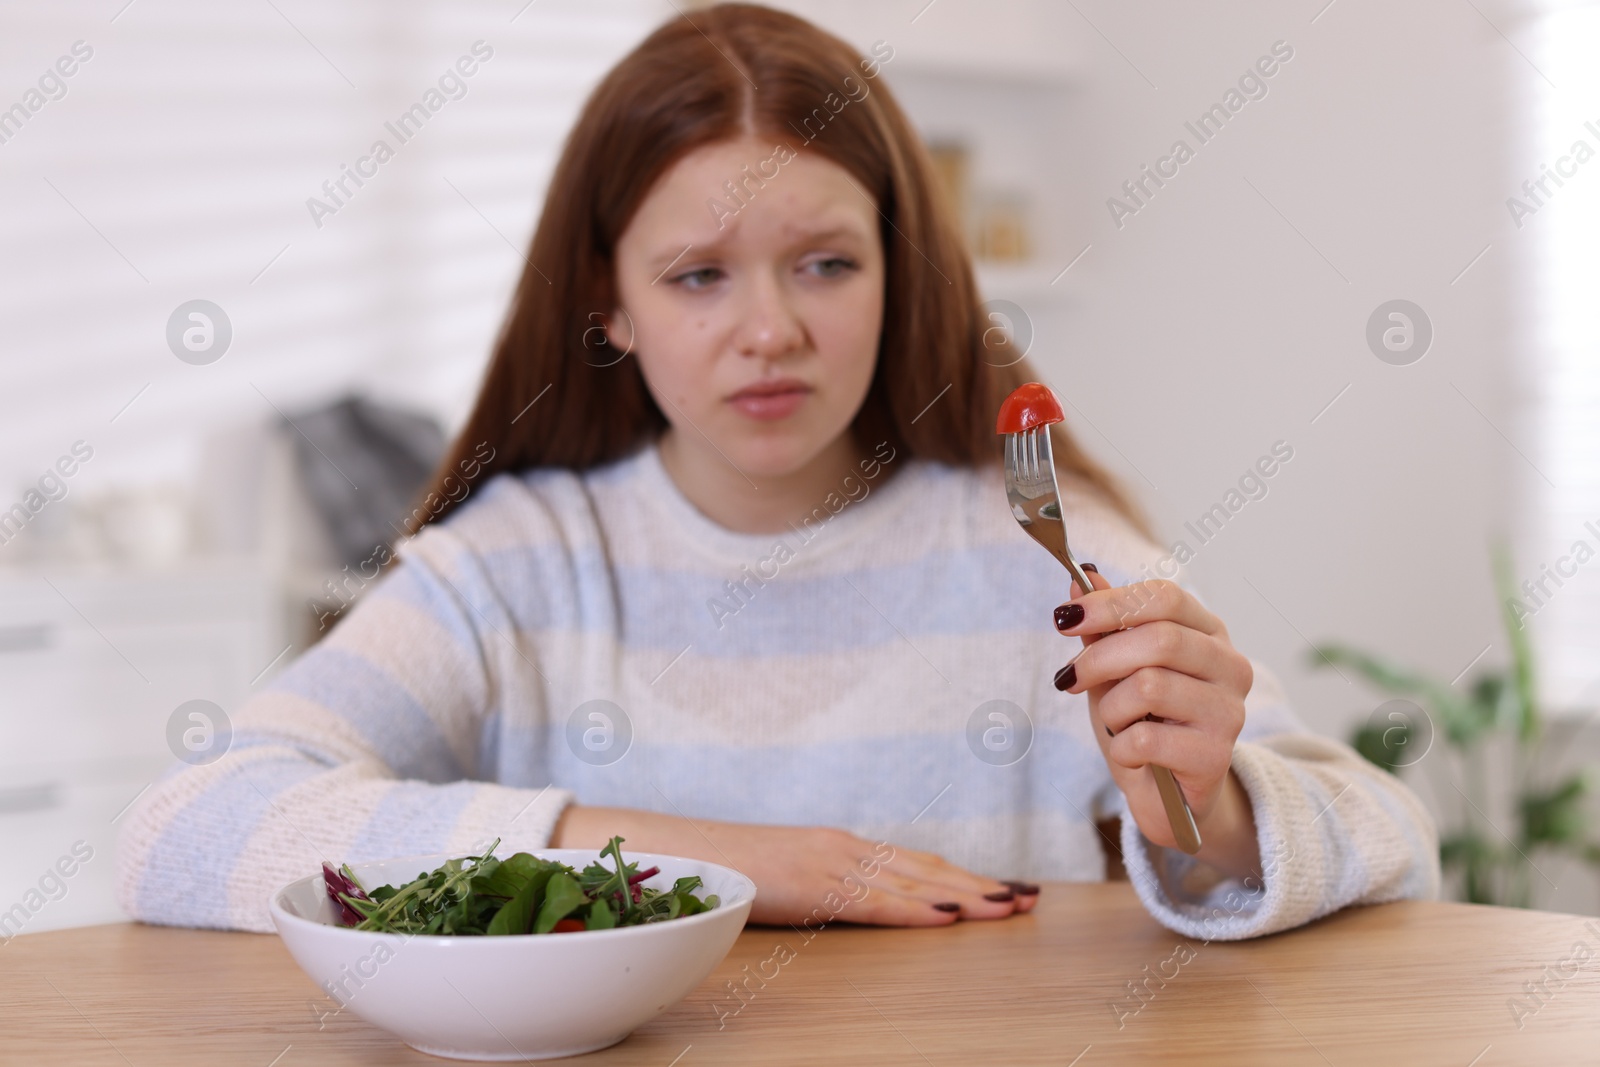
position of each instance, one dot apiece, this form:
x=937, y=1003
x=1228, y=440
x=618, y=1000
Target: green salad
x=521, y=894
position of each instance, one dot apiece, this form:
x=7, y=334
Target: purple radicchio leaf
x=336, y=884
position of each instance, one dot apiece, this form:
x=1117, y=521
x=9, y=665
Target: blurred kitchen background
x=199, y=535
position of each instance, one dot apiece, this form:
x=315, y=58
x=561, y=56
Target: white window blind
x=1558, y=558
x=177, y=162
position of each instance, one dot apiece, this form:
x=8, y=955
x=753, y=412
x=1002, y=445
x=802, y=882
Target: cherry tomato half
x=1029, y=406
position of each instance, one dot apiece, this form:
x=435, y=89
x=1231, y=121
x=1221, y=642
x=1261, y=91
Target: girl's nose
x=769, y=328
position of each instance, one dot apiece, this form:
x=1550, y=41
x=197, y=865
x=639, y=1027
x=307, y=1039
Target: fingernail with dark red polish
x=1001, y=897
x=1109, y=733
x=1068, y=616
x=1024, y=889
x=1066, y=677
x=948, y=905
x=1090, y=567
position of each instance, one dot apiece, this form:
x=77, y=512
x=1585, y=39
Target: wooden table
x=1414, y=983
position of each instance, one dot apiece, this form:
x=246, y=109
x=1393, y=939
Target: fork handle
x=1184, y=830
x=1077, y=572
x=1178, y=813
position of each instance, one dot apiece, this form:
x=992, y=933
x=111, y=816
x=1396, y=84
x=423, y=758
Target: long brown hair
x=556, y=395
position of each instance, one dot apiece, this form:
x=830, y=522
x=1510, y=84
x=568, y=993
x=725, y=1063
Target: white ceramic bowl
x=512, y=998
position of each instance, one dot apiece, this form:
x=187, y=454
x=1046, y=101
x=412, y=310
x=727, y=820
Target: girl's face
x=756, y=326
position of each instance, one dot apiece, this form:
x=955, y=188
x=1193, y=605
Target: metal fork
x=1036, y=505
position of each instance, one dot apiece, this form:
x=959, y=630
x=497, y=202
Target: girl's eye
x=698, y=279
x=832, y=267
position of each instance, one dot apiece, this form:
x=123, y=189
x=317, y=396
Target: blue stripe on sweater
x=828, y=783
x=943, y=594
x=419, y=586
x=393, y=725
x=185, y=879
x=412, y=819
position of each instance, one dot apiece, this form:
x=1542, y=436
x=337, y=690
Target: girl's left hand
x=1151, y=649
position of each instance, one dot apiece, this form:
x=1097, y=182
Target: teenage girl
x=721, y=562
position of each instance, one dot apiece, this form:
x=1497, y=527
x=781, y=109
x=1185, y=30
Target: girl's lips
x=767, y=401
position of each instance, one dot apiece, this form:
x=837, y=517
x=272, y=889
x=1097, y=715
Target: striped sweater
x=883, y=666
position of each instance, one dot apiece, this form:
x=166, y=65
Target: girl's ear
x=614, y=329
x=619, y=334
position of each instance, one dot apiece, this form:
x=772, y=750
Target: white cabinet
x=92, y=665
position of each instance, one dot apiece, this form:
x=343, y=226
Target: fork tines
x=1028, y=454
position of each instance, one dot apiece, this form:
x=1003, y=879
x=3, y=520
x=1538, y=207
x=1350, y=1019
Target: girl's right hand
x=810, y=876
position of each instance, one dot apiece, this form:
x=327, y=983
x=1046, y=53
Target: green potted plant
x=1492, y=732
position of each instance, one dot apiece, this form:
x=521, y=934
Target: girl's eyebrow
x=823, y=232
x=669, y=257
x=666, y=260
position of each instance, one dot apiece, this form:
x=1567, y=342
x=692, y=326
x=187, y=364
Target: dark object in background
x=362, y=464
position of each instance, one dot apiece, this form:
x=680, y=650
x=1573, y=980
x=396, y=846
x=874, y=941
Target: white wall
x=178, y=165
x=1231, y=310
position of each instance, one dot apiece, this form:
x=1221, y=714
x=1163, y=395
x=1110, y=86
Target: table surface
x=1429, y=983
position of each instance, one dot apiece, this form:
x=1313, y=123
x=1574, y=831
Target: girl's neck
x=747, y=503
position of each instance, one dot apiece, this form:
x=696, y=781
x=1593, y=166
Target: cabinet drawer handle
x=20, y=798
x=26, y=638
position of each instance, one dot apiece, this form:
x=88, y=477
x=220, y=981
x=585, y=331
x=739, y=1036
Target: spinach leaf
x=516, y=915
x=601, y=917
x=562, y=897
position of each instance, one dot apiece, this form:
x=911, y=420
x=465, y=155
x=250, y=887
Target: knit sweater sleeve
x=1333, y=831
x=367, y=746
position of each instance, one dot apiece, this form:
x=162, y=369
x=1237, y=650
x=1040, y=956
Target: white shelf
x=1027, y=284
x=1024, y=77
x=1020, y=40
